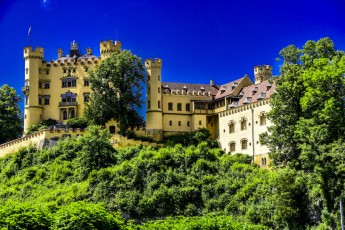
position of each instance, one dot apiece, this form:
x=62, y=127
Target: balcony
x=68, y=104
x=25, y=90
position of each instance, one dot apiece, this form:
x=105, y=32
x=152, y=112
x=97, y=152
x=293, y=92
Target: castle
x=234, y=112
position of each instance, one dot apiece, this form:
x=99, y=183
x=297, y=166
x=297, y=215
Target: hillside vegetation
x=85, y=183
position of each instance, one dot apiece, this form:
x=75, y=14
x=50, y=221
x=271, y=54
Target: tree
x=308, y=108
x=308, y=113
x=116, y=85
x=10, y=114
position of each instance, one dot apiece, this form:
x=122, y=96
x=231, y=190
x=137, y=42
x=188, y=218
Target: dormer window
x=255, y=90
x=234, y=104
x=268, y=86
x=234, y=85
x=222, y=89
x=241, y=94
x=262, y=96
x=202, y=89
x=247, y=100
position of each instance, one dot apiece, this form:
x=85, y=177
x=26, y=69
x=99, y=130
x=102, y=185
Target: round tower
x=154, y=115
x=262, y=73
x=31, y=90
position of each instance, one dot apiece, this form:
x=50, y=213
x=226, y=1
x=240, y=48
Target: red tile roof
x=190, y=87
x=228, y=88
x=257, y=92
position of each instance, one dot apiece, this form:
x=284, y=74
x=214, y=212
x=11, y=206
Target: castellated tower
x=154, y=115
x=262, y=73
x=33, y=72
x=108, y=47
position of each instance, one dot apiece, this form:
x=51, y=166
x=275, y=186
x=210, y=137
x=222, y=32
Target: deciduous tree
x=116, y=85
x=10, y=114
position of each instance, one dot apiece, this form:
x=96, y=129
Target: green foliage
x=77, y=122
x=96, y=151
x=84, y=183
x=40, y=126
x=82, y=215
x=10, y=114
x=213, y=222
x=309, y=117
x=24, y=216
x=116, y=86
x=193, y=138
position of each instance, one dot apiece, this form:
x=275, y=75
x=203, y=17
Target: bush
x=83, y=215
x=40, y=126
x=77, y=122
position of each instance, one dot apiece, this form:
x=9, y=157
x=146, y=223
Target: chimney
x=88, y=51
x=60, y=52
x=212, y=82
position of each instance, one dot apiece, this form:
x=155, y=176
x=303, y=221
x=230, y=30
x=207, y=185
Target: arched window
x=244, y=144
x=231, y=127
x=262, y=118
x=72, y=115
x=243, y=123
x=232, y=146
x=65, y=115
x=263, y=161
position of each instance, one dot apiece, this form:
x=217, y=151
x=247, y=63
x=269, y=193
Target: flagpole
x=29, y=37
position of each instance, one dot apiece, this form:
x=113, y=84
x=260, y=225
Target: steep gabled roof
x=253, y=93
x=228, y=88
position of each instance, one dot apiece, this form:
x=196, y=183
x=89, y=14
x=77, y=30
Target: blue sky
x=197, y=40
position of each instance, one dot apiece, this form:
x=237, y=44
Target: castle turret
x=262, y=73
x=33, y=72
x=154, y=115
x=108, y=47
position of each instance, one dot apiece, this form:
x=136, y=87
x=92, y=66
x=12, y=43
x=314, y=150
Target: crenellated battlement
x=33, y=53
x=153, y=63
x=263, y=69
x=262, y=72
x=107, y=47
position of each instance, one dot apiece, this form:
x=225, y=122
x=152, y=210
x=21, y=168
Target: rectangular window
x=148, y=104
x=46, y=85
x=200, y=123
x=170, y=123
x=26, y=100
x=244, y=144
x=159, y=89
x=187, y=107
x=40, y=85
x=263, y=119
x=231, y=128
x=170, y=106
x=179, y=107
x=86, y=82
x=188, y=123
x=232, y=147
x=47, y=71
x=179, y=123
x=26, y=70
x=69, y=82
x=159, y=104
x=243, y=125
x=69, y=97
x=46, y=100
x=39, y=100
x=86, y=97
